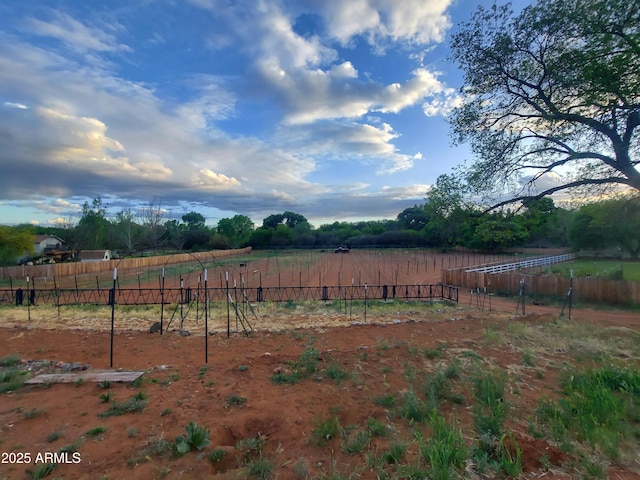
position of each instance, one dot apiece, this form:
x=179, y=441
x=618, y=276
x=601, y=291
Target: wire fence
x=158, y=296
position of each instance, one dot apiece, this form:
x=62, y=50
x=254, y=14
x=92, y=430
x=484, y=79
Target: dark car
x=342, y=249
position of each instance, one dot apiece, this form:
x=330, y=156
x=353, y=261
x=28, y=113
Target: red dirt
x=181, y=388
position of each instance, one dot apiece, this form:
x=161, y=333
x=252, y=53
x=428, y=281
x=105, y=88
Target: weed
x=96, y=431
x=197, y=437
x=79, y=382
x=104, y=384
x=336, y=373
x=413, y=409
x=453, y=370
x=437, y=389
x=11, y=379
x=137, y=383
x=326, y=430
x=261, y=468
x=53, y=436
x=165, y=412
x=387, y=401
x=445, y=450
x=355, y=442
x=395, y=454
x=132, y=432
x=202, y=371
x=251, y=447
x=10, y=361
x=42, y=471
x=301, y=469
x=491, y=407
x=105, y=397
x=376, y=428
x=217, y=455
x=33, y=413
x=134, y=404
x=599, y=407
x=305, y=366
x=243, y=368
x=527, y=359
x=235, y=400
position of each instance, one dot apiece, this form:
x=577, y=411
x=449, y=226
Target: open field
x=318, y=390
x=625, y=270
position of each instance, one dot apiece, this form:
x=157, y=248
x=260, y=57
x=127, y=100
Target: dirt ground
x=231, y=391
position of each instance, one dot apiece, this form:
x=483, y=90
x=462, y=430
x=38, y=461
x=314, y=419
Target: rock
x=184, y=333
x=155, y=328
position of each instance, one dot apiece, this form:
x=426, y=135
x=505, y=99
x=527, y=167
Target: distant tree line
x=443, y=221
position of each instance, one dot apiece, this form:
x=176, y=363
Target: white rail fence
x=530, y=263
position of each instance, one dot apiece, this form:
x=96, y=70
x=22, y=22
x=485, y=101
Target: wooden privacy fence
x=80, y=268
x=613, y=292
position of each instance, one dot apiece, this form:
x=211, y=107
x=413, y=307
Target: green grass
x=599, y=408
x=599, y=268
x=134, y=404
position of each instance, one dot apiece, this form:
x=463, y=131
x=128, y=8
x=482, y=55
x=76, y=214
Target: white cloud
x=75, y=34
x=208, y=178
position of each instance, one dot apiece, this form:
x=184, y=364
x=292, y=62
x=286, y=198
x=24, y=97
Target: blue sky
x=334, y=109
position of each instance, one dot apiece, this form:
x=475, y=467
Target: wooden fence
x=612, y=292
x=80, y=268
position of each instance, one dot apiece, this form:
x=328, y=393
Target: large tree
x=553, y=97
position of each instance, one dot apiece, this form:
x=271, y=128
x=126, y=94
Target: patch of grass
x=12, y=379
x=412, y=408
x=599, y=407
x=491, y=408
x=437, y=389
x=42, y=471
x=134, y=404
x=326, y=430
x=355, y=442
x=10, y=361
x=445, y=450
x=104, y=384
x=202, y=372
x=261, y=468
x=387, y=401
x=33, y=413
x=305, y=366
x=376, y=428
x=301, y=469
x=336, y=373
x=527, y=359
x=395, y=453
x=235, y=400
x=217, y=455
x=243, y=368
x=96, y=431
x=53, y=436
x=105, y=397
x=165, y=412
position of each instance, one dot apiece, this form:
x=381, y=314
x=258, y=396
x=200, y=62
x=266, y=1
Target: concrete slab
x=85, y=376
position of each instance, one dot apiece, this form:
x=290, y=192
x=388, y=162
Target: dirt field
x=269, y=428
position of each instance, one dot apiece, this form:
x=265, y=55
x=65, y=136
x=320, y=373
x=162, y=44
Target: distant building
x=44, y=242
x=95, y=255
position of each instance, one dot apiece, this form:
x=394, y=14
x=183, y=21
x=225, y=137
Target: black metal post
x=206, y=319
x=162, y=303
x=113, y=314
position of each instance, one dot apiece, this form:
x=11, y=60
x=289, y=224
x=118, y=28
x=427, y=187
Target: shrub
x=197, y=437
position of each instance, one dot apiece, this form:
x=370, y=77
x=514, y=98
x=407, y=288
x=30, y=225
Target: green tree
x=610, y=223
x=553, y=93
x=194, y=220
x=236, y=230
x=93, y=227
x=14, y=243
x=413, y=218
x=126, y=231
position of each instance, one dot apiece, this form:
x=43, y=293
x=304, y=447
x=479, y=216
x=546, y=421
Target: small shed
x=95, y=255
x=44, y=242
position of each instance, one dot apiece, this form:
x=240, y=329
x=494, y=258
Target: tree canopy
x=553, y=97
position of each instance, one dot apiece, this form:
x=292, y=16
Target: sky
x=333, y=109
